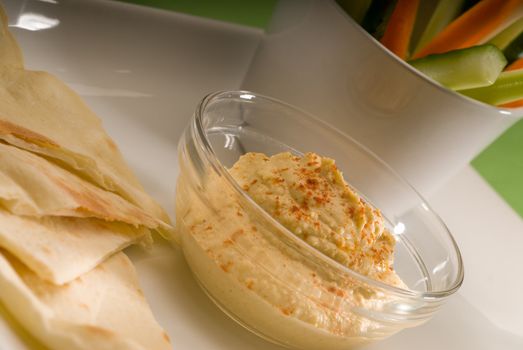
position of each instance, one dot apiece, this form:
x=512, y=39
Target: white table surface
x=144, y=70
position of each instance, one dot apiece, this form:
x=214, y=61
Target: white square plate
x=143, y=71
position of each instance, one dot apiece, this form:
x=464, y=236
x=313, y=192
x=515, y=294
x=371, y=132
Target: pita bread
x=10, y=53
x=10, y=328
x=41, y=114
x=59, y=249
x=104, y=309
x=32, y=186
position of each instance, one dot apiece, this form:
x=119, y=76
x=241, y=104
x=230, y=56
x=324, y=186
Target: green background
x=500, y=164
x=254, y=13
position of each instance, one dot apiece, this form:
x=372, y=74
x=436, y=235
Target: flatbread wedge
x=10, y=53
x=104, y=309
x=32, y=186
x=60, y=249
x=40, y=113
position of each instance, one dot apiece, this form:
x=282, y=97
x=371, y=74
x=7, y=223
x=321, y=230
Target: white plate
x=143, y=71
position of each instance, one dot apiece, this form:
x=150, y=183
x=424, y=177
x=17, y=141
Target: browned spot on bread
x=237, y=234
x=166, y=337
x=95, y=205
x=227, y=266
x=249, y=284
x=287, y=310
x=111, y=144
x=98, y=331
x=46, y=250
x=336, y=291
x=140, y=292
x=8, y=128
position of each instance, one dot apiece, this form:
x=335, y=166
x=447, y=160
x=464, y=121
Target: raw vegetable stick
x=444, y=13
x=472, y=26
x=399, y=29
x=518, y=64
x=377, y=17
x=514, y=66
x=507, y=88
x=515, y=104
x=465, y=68
x=508, y=35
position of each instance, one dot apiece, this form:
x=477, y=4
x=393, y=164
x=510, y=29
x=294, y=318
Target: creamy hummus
x=261, y=276
x=310, y=198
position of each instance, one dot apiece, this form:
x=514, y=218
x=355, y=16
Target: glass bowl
x=265, y=277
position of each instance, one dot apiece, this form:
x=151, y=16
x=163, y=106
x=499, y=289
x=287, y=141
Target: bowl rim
x=506, y=112
x=211, y=157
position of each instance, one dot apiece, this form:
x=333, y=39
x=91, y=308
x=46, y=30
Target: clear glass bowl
x=265, y=277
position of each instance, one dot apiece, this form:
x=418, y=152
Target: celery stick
x=468, y=68
x=444, y=13
x=508, y=35
x=508, y=88
x=355, y=8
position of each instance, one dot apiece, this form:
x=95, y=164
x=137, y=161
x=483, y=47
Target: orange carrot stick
x=517, y=64
x=471, y=27
x=515, y=104
x=399, y=29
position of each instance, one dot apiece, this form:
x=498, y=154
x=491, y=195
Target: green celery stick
x=468, y=68
x=355, y=8
x=508, y=88
x=444, y=13
x=508, y=35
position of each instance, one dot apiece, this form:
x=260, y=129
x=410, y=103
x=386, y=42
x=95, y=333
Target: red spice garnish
x=278, y=180
x=319, y=200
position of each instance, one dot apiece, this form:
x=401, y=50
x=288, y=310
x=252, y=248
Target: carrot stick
x=399, y=29
x=471, y=27
x=517, y=64
x=515, y=104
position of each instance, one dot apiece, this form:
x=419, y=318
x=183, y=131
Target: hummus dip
x=266, y=279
